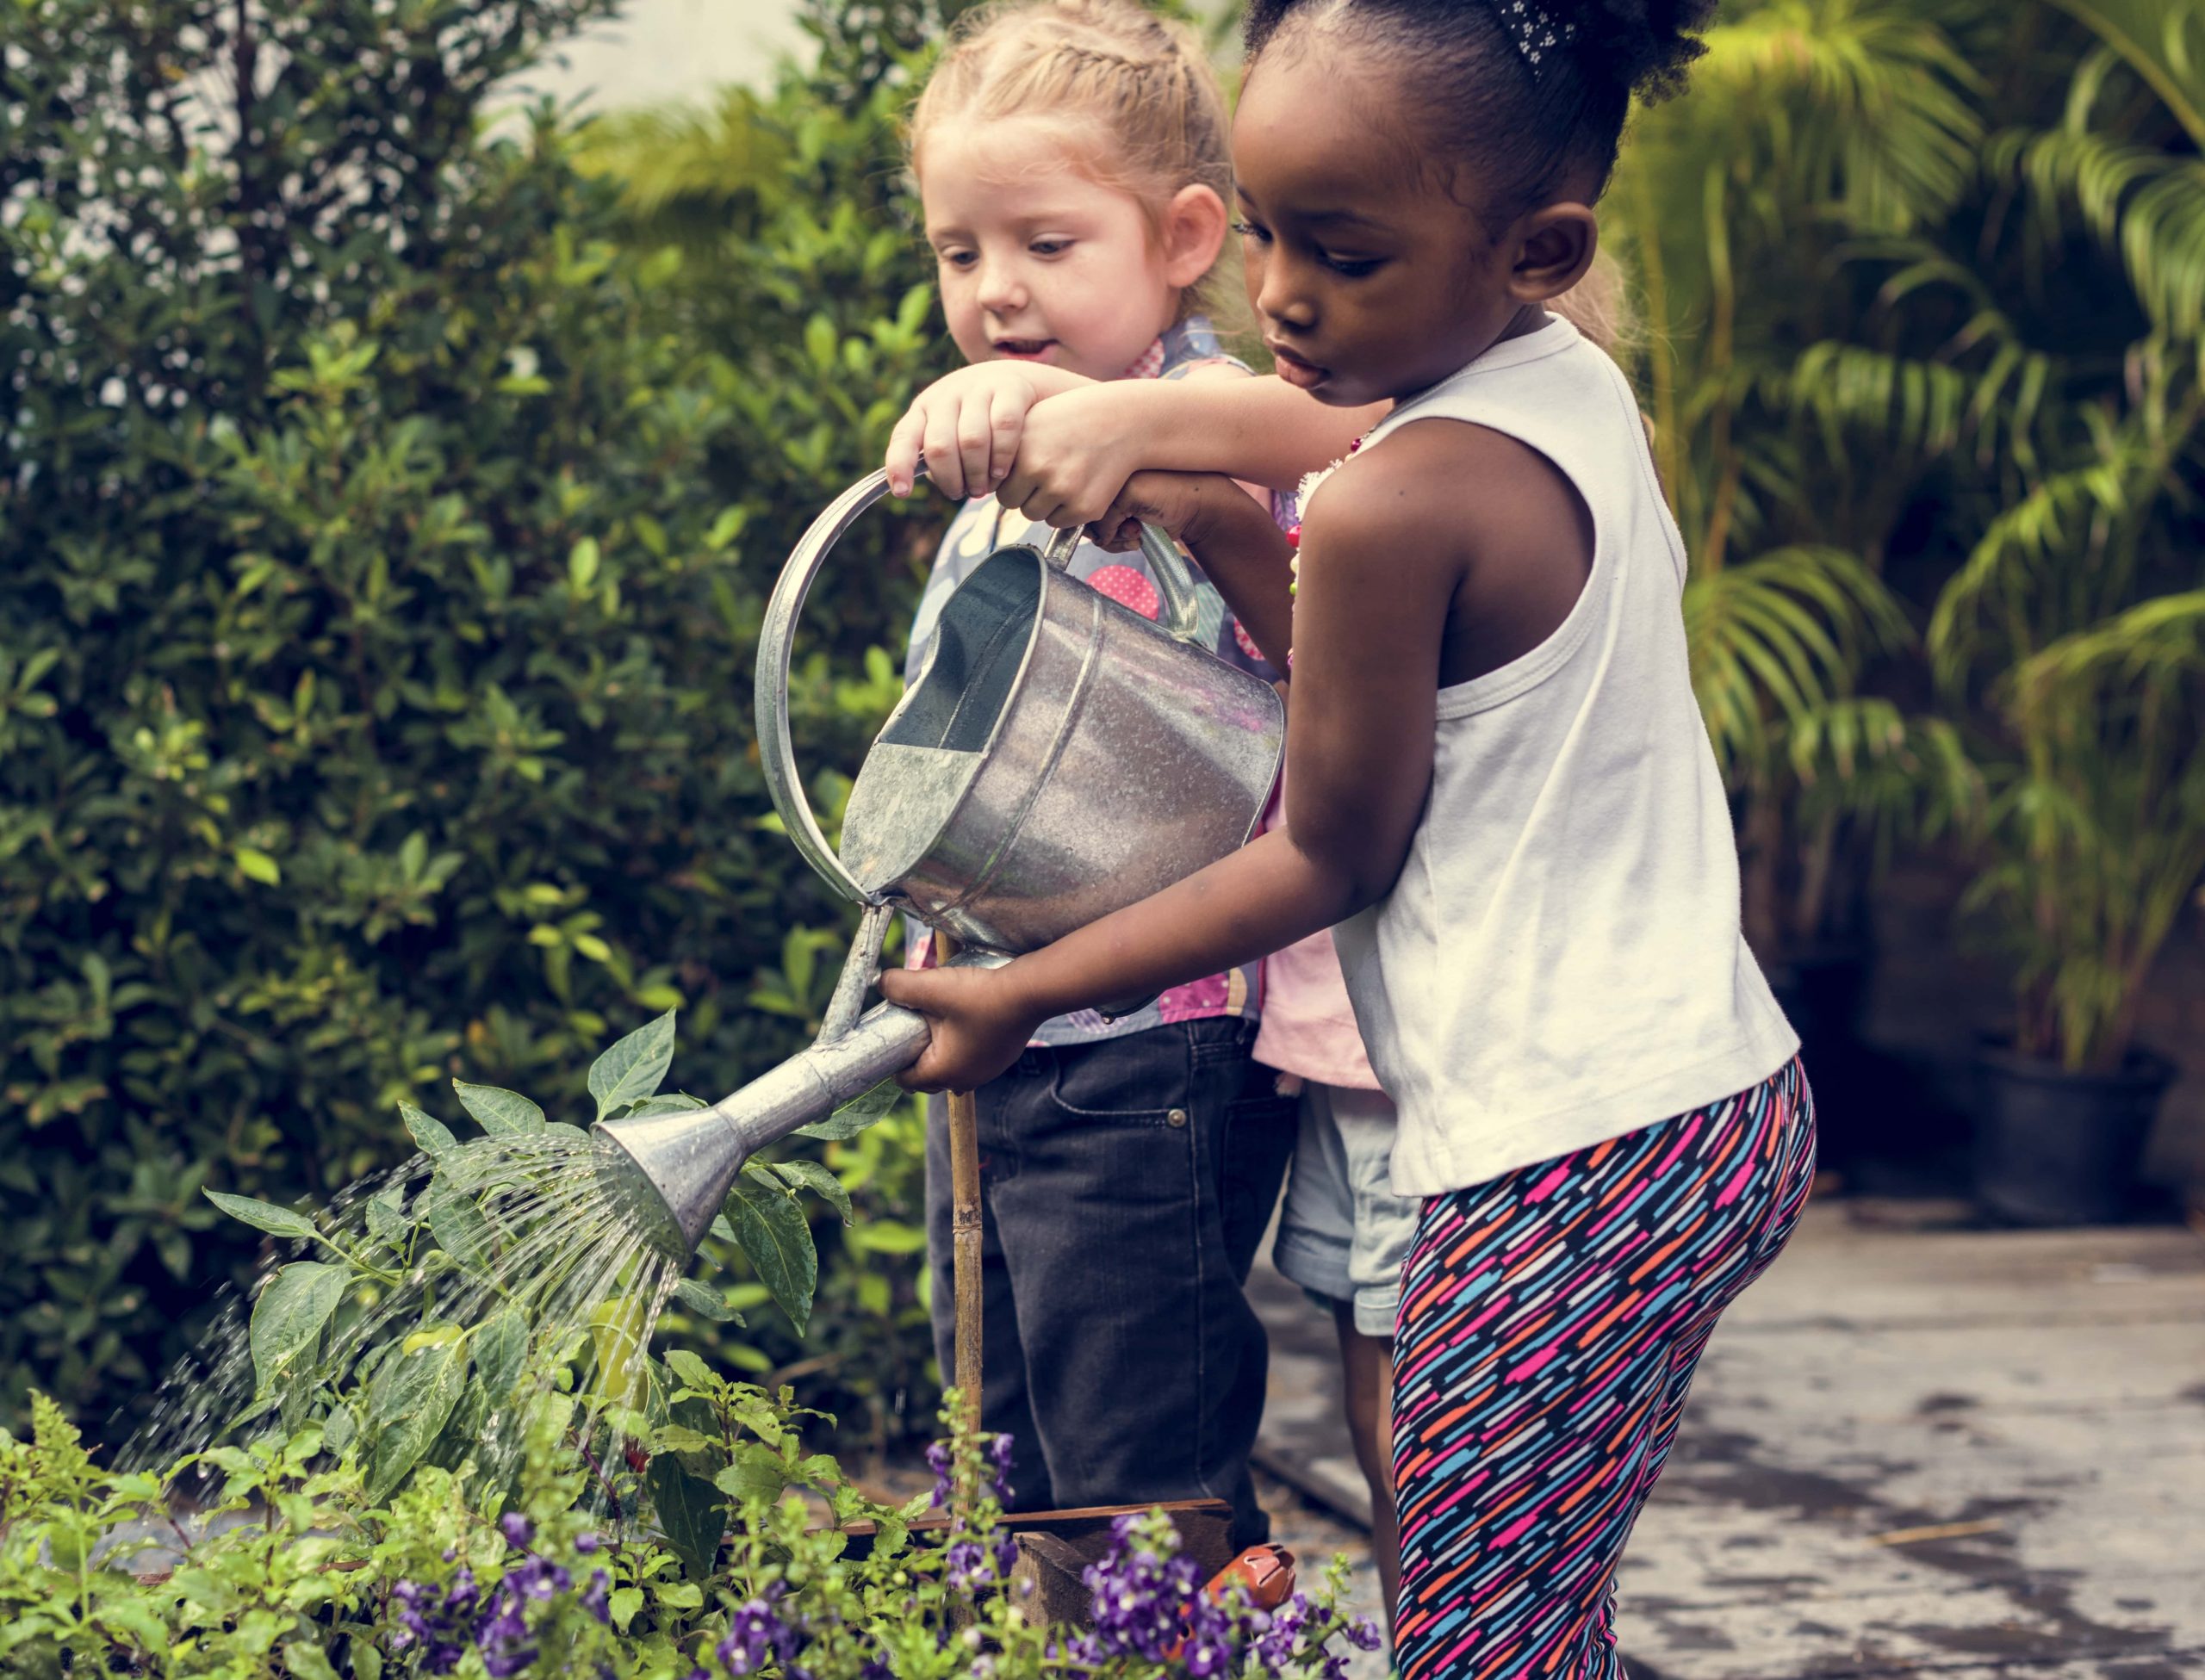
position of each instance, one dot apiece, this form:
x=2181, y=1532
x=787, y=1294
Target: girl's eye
x=1248, y=229
x=1050, y=247
x=956, y=260
x=1351, y=268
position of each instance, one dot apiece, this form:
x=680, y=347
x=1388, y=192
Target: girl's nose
x=1279, y=297
x=1001, y=290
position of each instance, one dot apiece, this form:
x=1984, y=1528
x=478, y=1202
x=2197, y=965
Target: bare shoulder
x=1466, y=512
x=1384, y=497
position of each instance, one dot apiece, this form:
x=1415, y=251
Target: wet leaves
x=289, y=1317
x=499, y=1111
x=771, y=1232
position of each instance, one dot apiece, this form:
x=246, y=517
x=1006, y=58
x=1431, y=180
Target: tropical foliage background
x=390, y=494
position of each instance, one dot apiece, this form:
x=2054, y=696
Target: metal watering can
x=1059, y=756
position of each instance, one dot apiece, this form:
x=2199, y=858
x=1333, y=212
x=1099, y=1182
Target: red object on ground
x=1266, y=1572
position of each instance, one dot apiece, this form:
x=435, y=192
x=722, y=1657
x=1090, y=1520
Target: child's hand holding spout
x=981, y=1019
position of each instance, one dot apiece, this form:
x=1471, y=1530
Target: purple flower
x=597, y=1596
x=756, y=1633
x=1275, y=1643
x=966, y=1567
x=460, y=1596
x=938, y=1461
x=517, y=1528
x=585, y=1544
x=1362, y=1633
x=999, y=1450
x=427, y=1624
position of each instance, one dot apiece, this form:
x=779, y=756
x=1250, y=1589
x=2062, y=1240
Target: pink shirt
x=1308, y=1026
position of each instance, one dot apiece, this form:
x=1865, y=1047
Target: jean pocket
x=1138, y=1080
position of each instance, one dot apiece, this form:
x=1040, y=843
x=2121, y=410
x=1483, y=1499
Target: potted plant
x=2093, y=843
x=2070, y=636
x=1793, y=430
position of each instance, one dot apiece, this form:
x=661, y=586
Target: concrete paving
x=1913, y=1448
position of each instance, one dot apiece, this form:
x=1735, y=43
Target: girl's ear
x=1555, y=247
x=1194, y=233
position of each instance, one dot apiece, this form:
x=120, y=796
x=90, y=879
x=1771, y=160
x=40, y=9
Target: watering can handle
x=777, y=640
x=1174, y=582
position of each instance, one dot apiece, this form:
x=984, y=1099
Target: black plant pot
x=2055, y=1148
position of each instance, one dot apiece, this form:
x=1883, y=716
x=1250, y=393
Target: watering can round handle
x=777, y=639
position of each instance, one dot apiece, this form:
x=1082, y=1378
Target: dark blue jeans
x=1125, y=1187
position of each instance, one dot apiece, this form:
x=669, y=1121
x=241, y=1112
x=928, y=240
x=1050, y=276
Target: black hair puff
x=1648, y=46
x=1530, y=126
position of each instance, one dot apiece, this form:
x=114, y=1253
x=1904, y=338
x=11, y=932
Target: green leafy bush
x=288, y=1569
x=384, y=533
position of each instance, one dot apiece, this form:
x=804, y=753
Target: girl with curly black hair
x=1502, y=792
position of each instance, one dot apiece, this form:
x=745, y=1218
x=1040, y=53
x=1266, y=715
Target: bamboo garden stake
x=965, y=1232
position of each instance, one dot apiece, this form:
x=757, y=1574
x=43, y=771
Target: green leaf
x=387, y=1220
x=624, y=1603
x=705, y=1302
x=631, y=1070
x=757, y=1473
x=692, y=1372
x=811, y=1175
x=413, y=1394
x=581, y=564
x=288, y=1316
x=771, y=1232
x=866, y=1108
x=681, y=1438
x=666, y=1102
x=367, y=1661
x=886, y=1237
x=258, y=865
x=136, y=1618
x=500, y=1352
x=688, y=1509
x=431, y=1135
x=499, y=1111
x=263, y=1216
x=340, y=1429
x=459, y=1226
x=307, y=1661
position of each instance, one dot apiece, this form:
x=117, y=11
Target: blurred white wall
x=658, y=50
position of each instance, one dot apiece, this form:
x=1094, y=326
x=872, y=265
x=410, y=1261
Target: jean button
x=1176, y=1117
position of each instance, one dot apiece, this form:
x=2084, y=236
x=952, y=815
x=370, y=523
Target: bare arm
x=1230, y=535
x=1079, y=446
x=1382, y=567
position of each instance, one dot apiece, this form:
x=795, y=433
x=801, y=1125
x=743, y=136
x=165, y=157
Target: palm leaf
x=2163, y=42
x=1780, y=637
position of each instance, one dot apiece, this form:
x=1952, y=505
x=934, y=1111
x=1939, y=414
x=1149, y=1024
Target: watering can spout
x=672, y=1171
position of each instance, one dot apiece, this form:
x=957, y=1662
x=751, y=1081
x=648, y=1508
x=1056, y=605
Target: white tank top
x=1560, y=961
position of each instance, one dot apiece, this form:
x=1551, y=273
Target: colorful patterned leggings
x=1550, y=1323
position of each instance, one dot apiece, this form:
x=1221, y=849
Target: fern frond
x=685, y=172
x=1780, y=637
x=1864, y=102
x=2163, y=42
x=2067, y=527
x=2137, y=200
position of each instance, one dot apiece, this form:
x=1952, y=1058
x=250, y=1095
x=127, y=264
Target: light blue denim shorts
x=1343, y=1234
